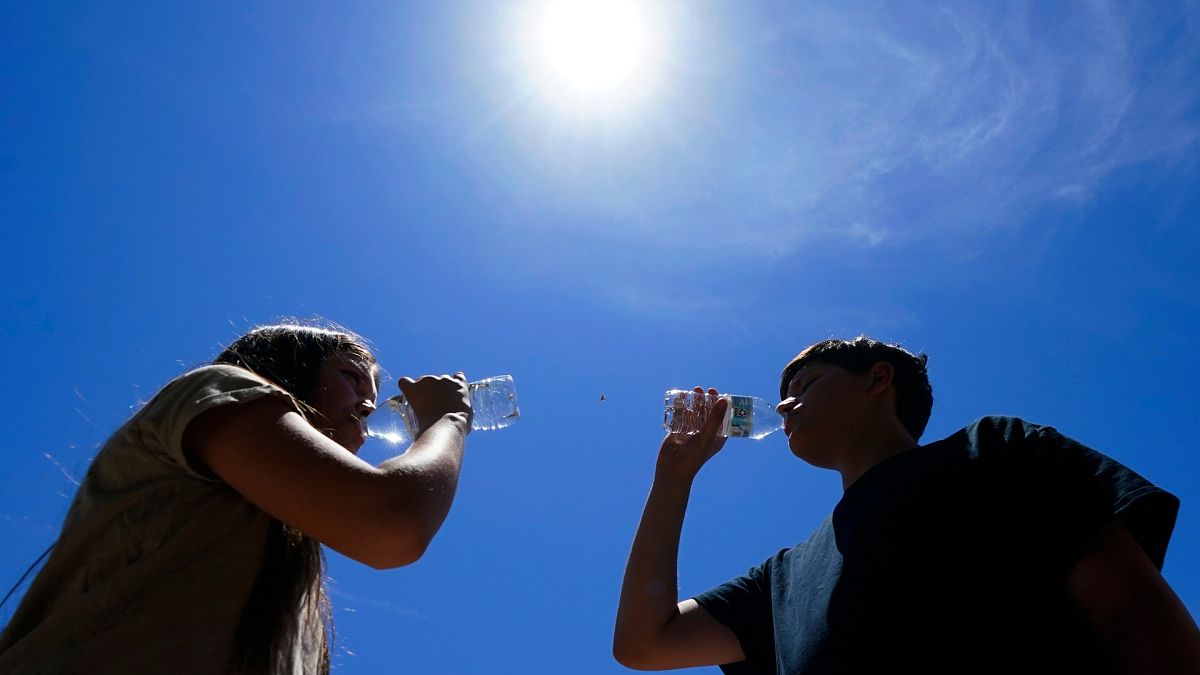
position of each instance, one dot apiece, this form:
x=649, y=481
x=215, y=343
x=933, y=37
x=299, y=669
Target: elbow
x=629, y=654
x=394, y=556
x=624, y=658
x=398, y=522
x=397, y=543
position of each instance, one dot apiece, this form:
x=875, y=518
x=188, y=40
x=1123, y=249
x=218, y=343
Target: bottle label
x=741, y=421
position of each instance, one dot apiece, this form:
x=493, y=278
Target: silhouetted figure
x=1005, y=548
x=193, y=544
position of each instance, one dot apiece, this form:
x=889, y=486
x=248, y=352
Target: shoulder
x=1003, y=427
x=221, y=375
x=1076, y=482
x=209, y=386
x=159, y=427
x=1017, y=437
x=998, y=434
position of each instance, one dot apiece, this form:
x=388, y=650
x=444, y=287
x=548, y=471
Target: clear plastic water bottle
x=493, y=402
x=746, y=417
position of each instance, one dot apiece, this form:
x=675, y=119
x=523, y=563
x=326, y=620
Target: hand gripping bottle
x=746, y=417
x=493, y=404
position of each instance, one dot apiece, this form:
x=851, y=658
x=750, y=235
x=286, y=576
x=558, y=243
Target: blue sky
x=1009, y=187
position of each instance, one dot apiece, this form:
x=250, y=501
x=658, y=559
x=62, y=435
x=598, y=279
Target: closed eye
x=808, y=383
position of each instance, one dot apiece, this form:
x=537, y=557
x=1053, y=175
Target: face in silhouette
x=825, y=410
x=344, y=395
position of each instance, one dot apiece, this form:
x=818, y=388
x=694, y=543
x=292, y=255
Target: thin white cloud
x=976, y=132
x=350, y=602
x=862, y=124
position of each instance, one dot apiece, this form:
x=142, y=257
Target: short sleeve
x=162, y=422
x=744, y=606
x=1093, y=490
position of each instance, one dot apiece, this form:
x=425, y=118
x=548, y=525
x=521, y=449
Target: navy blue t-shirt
x=950, y=557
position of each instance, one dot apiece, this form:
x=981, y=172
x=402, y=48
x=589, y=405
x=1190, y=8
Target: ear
x=879, y=378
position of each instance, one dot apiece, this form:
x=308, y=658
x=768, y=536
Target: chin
x=800, y=454
x=804, y=451
x=796, y=443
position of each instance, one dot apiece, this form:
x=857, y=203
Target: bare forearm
x=438, y=449
x=426, y=477
x=654, y=630
x=649, y=594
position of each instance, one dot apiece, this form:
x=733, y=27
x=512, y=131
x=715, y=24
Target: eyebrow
x=372, y=371
x=802, y=374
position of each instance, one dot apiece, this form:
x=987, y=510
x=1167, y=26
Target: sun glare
x=593, y=46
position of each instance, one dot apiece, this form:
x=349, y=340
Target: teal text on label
x=741, y=422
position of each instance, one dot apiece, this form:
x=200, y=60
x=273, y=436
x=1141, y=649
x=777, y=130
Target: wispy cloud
x=352, y=603
x=865, y=123
x=964, y=120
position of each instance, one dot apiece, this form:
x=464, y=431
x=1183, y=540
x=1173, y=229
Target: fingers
x=434, y=386
x=716, y=420
x=406, y=384
x=432, y=397
x=458, y=377
x=695, y=434
x=693, y=409
x=696, y=411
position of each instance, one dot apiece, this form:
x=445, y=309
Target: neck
x=877, y=443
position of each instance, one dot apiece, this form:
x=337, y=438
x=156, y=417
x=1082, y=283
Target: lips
x=359, y=424
x=791, y=409
x=790, y=423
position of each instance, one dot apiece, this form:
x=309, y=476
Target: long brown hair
x=289, y=593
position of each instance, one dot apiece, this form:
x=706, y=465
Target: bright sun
x=593, y=46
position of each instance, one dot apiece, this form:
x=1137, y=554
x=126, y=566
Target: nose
x=786, y=405
x=365, y=407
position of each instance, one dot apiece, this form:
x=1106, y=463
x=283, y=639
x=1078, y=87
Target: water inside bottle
x=745, y=417
x=388, y=424
x=493, y=404
x=685, y=411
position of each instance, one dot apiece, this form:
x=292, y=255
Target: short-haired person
x=193, y=545
x=1004, y=548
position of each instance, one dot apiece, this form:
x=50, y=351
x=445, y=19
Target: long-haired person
x=194, y=542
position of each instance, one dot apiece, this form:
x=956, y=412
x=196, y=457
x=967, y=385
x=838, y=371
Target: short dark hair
x=914, y=395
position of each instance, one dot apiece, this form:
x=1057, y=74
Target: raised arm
x=1137, y=616
x=654, y=631
x=382, y=516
